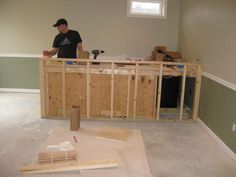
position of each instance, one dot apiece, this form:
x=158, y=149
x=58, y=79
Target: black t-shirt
x=67, y=44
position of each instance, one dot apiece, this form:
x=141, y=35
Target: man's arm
x=80, y=46
x=50, y=53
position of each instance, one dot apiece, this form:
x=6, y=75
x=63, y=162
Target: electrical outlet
x=234, y=127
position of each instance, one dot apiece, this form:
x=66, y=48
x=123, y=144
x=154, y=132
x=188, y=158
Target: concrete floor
x=174, y=149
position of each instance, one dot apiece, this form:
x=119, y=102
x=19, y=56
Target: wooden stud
x=63, y=88
x=46, y=85
x=159, y=92
x=125, y=61
x=112, y=89
x=42, y=87
x=182, y=93
x=155, y=97
x=197, y=93
x=128, y=96
x=88, y=89
x=135, y=90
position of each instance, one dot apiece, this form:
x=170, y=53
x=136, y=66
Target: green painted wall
x=218, y=110
x=19, y=73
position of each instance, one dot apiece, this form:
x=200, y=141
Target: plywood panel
x=55, y=94
x=120, y=94
x=146, y=94
x=76, y=92
x=100, y=94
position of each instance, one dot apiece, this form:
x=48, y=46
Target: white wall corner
x=219, y=142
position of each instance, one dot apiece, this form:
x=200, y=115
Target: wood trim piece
x=223, y=82
x=50, y=168
x=19, y=90
x=219, y=142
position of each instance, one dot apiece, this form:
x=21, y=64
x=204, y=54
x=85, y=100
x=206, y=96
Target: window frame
x=163, y=7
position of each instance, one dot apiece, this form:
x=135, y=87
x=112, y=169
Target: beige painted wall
x=26, y=26
x=208, y=33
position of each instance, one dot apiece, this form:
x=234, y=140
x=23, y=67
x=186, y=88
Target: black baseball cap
x=60, y=22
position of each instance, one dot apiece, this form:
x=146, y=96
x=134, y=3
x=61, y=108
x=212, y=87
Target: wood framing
x=182, y=93
x=42, y=88
x=88, y=89
x=159, y=92
x=135, y=90
x=196, y=100
x=127, y=89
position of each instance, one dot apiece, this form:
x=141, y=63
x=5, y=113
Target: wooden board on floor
x=116, y=134
x=64, y=167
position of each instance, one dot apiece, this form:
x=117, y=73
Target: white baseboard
x=221, y=144
x=13, y=90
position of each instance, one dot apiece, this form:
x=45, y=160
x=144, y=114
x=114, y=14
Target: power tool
x=96, y=53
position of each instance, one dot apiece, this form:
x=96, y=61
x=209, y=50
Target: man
x=66, y=42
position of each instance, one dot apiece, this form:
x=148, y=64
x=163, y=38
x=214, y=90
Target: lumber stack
x=56, y=156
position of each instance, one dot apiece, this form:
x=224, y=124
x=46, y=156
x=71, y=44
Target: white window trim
x=162, y=16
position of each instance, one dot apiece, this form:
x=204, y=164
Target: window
x=147, y=8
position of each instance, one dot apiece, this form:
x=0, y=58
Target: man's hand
x=50, y=53
x=46, y=53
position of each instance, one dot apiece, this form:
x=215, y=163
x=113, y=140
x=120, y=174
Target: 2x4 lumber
x=123, y=61
x=88, y=89
x=197, y=93
x=128, y=96
x=182, y=93
x=118, y=71
x=63, y=167
x=159, y=92
x=135, y=90
x=64, y=88
x=112, y=89
x=46, y=89
x=42, y=87
x=155, y=97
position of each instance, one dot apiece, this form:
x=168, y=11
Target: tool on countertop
x=96, y=53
